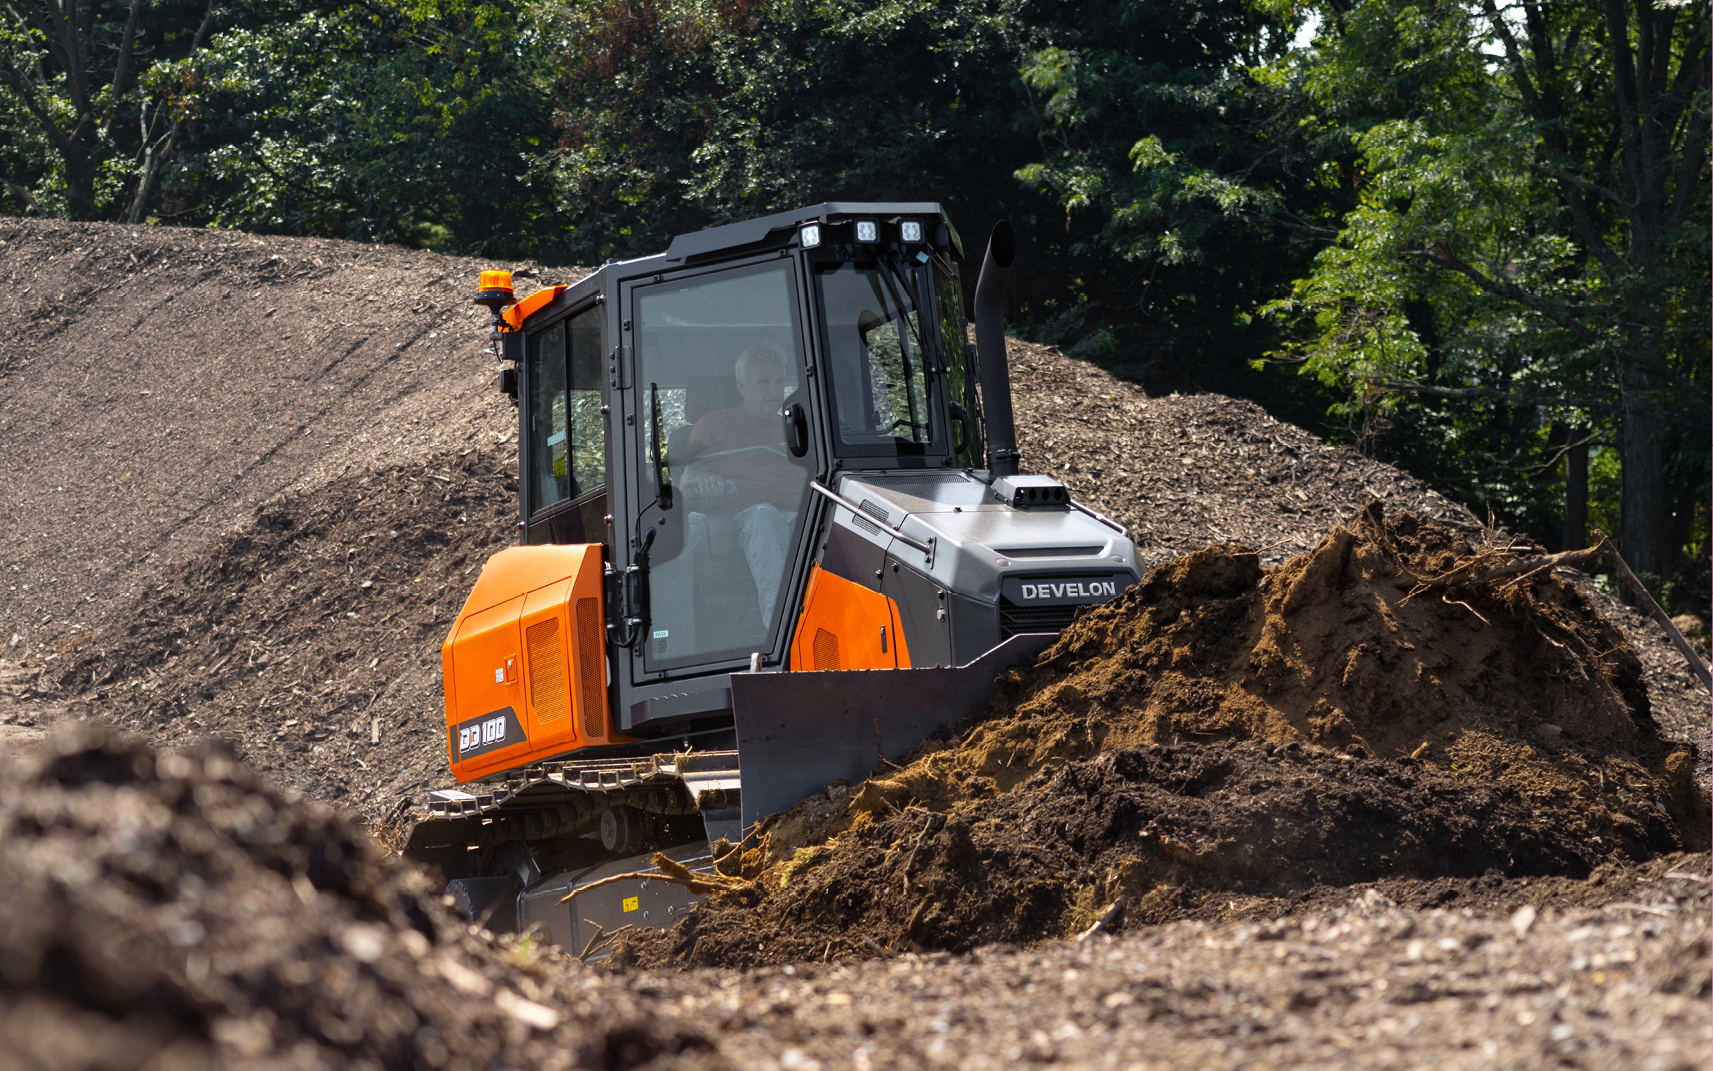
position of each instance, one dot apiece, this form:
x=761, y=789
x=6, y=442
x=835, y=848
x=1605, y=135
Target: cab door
x=716, y=360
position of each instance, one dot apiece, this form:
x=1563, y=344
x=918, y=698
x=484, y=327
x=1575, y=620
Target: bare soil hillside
x=246, y=484
x=247, y=481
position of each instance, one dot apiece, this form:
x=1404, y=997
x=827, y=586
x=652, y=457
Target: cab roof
x=750, y=231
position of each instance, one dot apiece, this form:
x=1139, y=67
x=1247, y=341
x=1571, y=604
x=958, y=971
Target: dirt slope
x=1184, y=471
x=157, y=385
x=209, y=440
x=259, y=471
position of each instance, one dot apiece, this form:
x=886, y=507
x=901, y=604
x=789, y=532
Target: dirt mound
x=158, y=384
x=1222, y=728
x=311, y=639
x=1184, y=471
x=173, y=911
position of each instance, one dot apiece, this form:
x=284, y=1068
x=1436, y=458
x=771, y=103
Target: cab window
x=875, y=352
x=568, y=433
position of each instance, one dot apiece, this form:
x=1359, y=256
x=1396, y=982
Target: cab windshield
x=879, y=359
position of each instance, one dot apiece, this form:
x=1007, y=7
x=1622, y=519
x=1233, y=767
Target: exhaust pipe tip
x=1002, y=245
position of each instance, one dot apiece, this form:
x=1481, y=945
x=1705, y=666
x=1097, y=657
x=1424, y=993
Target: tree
x=411, y=121
x=674, y=117
x=371, y=123
x=1184, y=176
x=1530, y=245
x=69, y=67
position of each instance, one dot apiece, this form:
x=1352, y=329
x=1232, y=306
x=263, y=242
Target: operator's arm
x=702, y=487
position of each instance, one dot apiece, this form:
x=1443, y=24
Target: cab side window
x=568, y=434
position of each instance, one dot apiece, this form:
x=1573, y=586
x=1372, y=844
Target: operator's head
x=761, y=380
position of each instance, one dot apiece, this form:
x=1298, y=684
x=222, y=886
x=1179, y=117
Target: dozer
x=772, y=534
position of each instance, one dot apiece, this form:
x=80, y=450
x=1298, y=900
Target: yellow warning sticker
x=630, y=903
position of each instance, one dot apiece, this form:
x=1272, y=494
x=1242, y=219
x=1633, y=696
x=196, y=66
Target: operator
x=739, y=466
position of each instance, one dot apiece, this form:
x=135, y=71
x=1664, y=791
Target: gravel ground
x=1365, y=984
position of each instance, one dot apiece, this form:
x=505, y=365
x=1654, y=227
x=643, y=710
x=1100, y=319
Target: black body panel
x=922, y=614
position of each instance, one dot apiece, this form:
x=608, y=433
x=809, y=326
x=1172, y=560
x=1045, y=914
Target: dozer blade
x=798, y=731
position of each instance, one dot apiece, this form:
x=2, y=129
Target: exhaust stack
x=995, y=376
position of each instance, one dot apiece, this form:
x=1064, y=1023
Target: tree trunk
x=79, y=180
x=1644, y=529
x=1576, y=489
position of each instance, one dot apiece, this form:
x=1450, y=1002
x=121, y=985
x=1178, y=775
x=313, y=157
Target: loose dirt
x=1366, y=982
x=1186, y=471
x=1221, y=729
x=249, y=480
x=171, y=911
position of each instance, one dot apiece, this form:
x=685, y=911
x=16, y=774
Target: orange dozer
x=773, y=532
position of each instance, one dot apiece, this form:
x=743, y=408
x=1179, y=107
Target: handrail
x=870, y=518
x=1101, y=517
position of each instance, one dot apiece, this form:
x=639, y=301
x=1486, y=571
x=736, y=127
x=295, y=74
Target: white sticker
x=662, y=634
x=500, y=675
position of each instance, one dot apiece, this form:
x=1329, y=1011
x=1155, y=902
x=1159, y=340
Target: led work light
x=868, y=231
x=910, y=230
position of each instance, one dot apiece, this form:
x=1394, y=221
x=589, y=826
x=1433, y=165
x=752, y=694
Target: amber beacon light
x=495, y=291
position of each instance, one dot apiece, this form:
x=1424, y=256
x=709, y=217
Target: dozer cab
x=772, y=534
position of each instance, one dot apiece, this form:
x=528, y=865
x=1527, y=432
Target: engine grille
x=1018, y=619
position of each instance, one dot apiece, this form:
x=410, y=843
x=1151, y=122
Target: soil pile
x=311, y=639
x=1225, y=729
x=250, y=477
x=1184, y=471
x=159, y=384
x=211, y=439
x=173, y=911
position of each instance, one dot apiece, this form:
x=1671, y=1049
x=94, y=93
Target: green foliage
x=415, y=123
x=1515, y=265
x=410, y=126
x=677, y=117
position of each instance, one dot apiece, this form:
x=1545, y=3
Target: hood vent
x=1049, y=552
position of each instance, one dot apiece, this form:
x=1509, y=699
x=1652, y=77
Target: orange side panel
x=515, y=315
x=847, y=626
x=519, y=688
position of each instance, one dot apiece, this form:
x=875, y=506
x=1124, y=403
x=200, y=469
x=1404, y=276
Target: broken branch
x=1102, y=922
x=676, y=873
x=1689, y=654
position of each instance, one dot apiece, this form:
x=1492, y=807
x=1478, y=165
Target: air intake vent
x=826, y=650
x=1014, y=620
x=873, y=511
x=547, y=692
x=591, y=668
